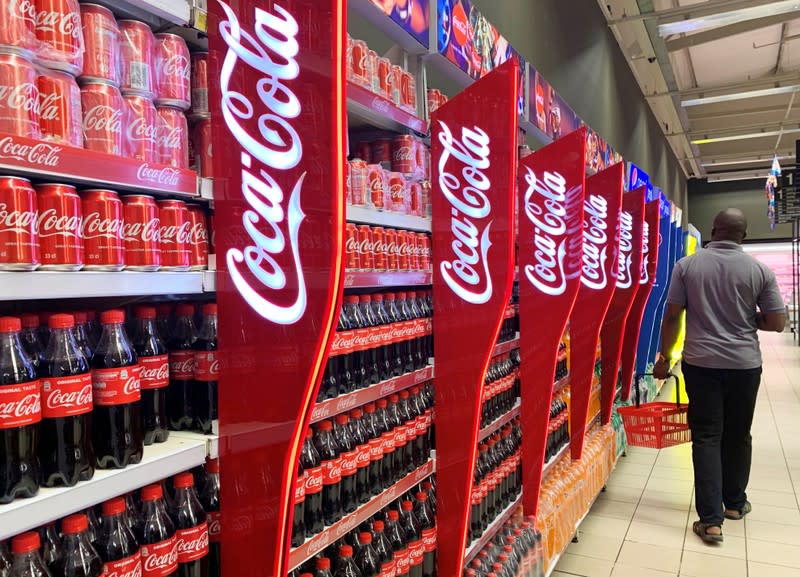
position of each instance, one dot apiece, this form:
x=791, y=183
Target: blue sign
x=638, y=178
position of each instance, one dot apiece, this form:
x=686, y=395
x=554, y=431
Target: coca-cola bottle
x=413, y=531
x=26, y=560
x=181, y=369
x=117, y=419
x=116, y=543
x=383, y=548
x=191, y=528
x=156, y=535
x=298, y=516
x=79, y=558
x=20, y=414
x=360, y=440
x=153, y=358
x=367, y=559
x=323, y=567
x=94, y=327
x=375, y=442
x=66, y=454
x=206, y=371
x=397, y=537
x=5, y=559
x=209, y=499
x=313, y=518
x=427, y=523
x=346, y=565
x=51, y=545
x=81, y=334
x=164, y=320
x=372, y=338
x=397, y=347
x=328, y=450
x=389, y=470
x=385, y=350
x=31, y=339
x=348, y=455
x=44, y=330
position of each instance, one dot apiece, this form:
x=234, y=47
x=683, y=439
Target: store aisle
x=641, y=525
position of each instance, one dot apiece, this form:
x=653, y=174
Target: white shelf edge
x=209, y=281
x=374, y=217
x=211, y=441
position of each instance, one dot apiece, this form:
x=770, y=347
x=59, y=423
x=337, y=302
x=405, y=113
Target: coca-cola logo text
x=103, y=118
x=156, y=373
x=170, y=137
x=154, y=561
x=50, y=106
x=595, y=241
x=149, y=231
x=27, y=406
x=624, y=277
x=177, y=66
x=163, y=175
x=644, y=278
x=142, y=130
x=50, y=223
x=57, y=398
x=176, y=234
x=127, y=568
x=23, y=96
x=65, y=23
x=96, y=227
x=19, y=221
x=41, y=154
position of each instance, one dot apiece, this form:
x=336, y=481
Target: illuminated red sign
x=551, y=195
x=473, y=150
x=652, y=220
x=599, y=267
x=278, y=111
x=628, y=274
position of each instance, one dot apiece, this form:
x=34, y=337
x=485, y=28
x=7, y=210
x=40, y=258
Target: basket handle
x=670, y=375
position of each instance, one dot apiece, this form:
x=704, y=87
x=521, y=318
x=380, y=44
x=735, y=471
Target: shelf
x=365, y=215
x=341, y=404
x=40, y=160
x=357, y=279
x=84, y=284
x=338, y=530
x=209, y=281
x=499, y=423
x=548, y=466
x=174, y=11
x=205, y=188
x=379, y=112
x=475, y=547
x=160, y=460
x=506, y=347
x=211, y=441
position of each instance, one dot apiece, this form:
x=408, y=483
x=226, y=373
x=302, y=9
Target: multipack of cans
x=377, y=74
x=377, y=249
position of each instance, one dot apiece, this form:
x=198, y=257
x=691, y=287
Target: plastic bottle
x=51, y=545
x=116, y=544
x=313, y=518
x=397, y=537
x=348, y=456
x=346, y=566
x=367, y=559
x=323, y=567
x=26, y=561
x=328, y=451
x=209, y=499
x=181, y=369
x=153, y=358
x=79, y=558
x=31, y=340
x=81, y=334
x=206, y=371
x=427, y=523
x=156, y=535
x=191, y=528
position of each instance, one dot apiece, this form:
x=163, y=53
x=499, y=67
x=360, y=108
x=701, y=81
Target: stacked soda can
x=54, y=227
x=375, y=248
x=200, y=118
x=377, y=74
x=435, y=100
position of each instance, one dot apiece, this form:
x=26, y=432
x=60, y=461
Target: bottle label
x=363, y=456
x=411, y=430
x=429, y=540
x=192, y=543
x=349, y=463
x=416, y=551
x=399, y=436
x=118, y=386
x=160, y=559
x=389, y=569
x=181, y=365
x=206, y=366
x=155, y=371
x=299, y=489
x=20, y=405
x=403, y=560
x=127, y=567
x=331, y=471
x=421, y=425
x=375, y=449
x=214, y=527
x=313, y=480
x=66, y=396
x=388, y=442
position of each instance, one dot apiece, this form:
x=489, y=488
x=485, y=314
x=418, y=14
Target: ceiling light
x=733, y=178
x=727, y=18
x=746, y=161
x=745, y=136
x=740, y=95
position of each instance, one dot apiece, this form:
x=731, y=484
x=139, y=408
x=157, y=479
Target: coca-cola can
x=379, y=247
x=141, y=233
x=396, y=183
x=402, y=250
x=19, y=96
x=364, y=151
x=391, y=250
x=172, y=71
x=172, y=144
x=59, y=227
x=101, y=38
x=403, y=154
x=103, y=110
x=376, y=186
x=358, y=182
x=413, y=251
x=365, y=255
x=424, y=243
x=352, y=257
x=396, y=84
x=137, y=42
x=19, y=243
x=60, y=34
x=359, y=64
x=199, y=80
x=175, y=231
x=60, y=118
x=103, y=246
x=382, y=152
x=198, y=237
x=415, y=198
x=17, y=27
x=433, y=100
x=141, y=128
x=201, y=148
x=408, y=92
x=383, y=73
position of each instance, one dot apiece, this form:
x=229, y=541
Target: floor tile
x=661, y=516
x=681, y=502
x=597, y=547
x=622, y=570
x=772, y=498
x=664, y=472
x=773, y=553
x=620, y=493
x=609, y=526
x=732, y=546
x=780, y=515
x=671, y=485
x=584, y=566
x=763, y=531
x=703, y=565
x=650, y=556
x=616, y=509
x=663, y=535
x=634, y=469
x=624, y=480
x=766, y=570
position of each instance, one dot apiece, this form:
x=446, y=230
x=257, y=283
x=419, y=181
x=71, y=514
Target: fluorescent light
x=727, y=18
x=745, y=136
x=740, y=95
x=746, y=161
x=733, y=178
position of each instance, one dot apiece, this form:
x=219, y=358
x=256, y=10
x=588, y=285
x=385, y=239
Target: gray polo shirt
x=720, y=287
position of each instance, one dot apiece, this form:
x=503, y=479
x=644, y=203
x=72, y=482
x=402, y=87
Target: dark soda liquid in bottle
x=191, y=528
x=348, y=456
x=181, y=369
x=116, y=544
x=331, y=472
x=313, y=518
x=209, y=498
x=26, y=560
x=206, y=371
x=79, y=558
x=153, y=358
x=156, y=534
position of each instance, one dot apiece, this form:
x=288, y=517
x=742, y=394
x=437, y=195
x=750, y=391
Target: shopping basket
x=656, y=425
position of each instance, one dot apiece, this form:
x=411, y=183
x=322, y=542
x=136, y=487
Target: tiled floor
x=641, y=525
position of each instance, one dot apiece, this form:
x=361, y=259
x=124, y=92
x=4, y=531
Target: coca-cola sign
x=36, y=153
x=473, y=158
x=551, y=259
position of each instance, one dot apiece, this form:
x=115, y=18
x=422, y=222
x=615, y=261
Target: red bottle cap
x=408, y=505
x=378, y=526
x=10, y=325
x=164, y=309
x=152, y=492
x=412, y=295
x=401, y=295
x=378, y=298
x=183, y=480
x=145, y=312
x=346, y=551
x=77, y=523
x=112, y=317
x=356, y=413
x=61, y=321
x=30, y=320
x=212, y=466
x=323, y=563
x=351, y=299
x=25, y=543
x=184, y=310
x=422, y=496
x=365, y=298
x=369, y=408
x=309, y=433
x=209, y=309
x=80, y=317
x=114, y=506
x=342, y=419
x=394, y=398
x=404, y=394
x=325, y=426
x=390, y=296
x=383, y=403
x=365, y=538
x=393, y=515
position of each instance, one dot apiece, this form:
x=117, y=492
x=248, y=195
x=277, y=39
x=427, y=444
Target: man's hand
x=662, y=367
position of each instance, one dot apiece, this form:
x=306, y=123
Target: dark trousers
x=721, y=406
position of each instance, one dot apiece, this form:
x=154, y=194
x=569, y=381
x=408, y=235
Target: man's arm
x=671, y=322
x=773, y=315
x=772, y=322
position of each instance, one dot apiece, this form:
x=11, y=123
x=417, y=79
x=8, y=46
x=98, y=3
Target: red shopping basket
x=656, y=425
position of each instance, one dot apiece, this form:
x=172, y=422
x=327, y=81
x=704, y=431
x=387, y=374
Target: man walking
x=727, y=296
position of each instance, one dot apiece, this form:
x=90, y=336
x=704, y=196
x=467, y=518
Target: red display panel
x=601, y=208
x=277, y=101
x=652, y=220
x=551, y=189
x=630, y=261
x=473, y=150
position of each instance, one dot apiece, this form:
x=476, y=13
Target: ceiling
x=722, y=78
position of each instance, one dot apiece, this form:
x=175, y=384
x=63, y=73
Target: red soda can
x=172, y=144
x=433, y=100
x=103, y=245
x=391, y=250
x=397, y=192
x=101, y=39
x=424, y=242
x=384, y=72
x=60, y=117
x=413, y=251
x=141, y=131
x=141, y=233
x=402, y=250
x=408, y=92
x=19, y=95
x=137, y=42
x=59, y=227
x=372, y=72
x=211, y=233
x=352, y=257
x=103, y=109
x=396, y=85
x=364, y=152
x=60, y=35
x=198, y=238
x=365, y=255
x=421, y=155
x=201, y=145
x=175, y=231
x=17, y=27
x=379, y=247
x=199, y=80
x=382, y=152
x=403, y=154
x=426, y=199
x=358, y=182
x=19, y=243
x=359, y=63
x=172, y=71
x=414, y=199
x=376, y=185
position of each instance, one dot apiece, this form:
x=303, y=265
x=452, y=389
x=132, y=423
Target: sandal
x=738, y=514
x=701, y=530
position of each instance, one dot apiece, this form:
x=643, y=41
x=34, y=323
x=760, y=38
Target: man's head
x=730, y=224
